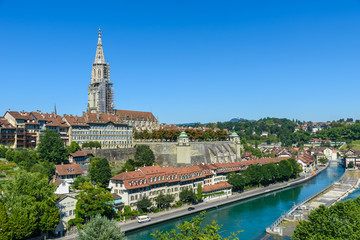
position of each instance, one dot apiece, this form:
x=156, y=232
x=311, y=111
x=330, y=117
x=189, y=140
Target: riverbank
x=328, y=196
x=163, y=217
x=183, y=211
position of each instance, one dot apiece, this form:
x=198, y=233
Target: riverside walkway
x=164, y=216
x=286, y=224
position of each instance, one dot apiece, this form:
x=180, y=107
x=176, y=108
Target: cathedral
x=101, y=96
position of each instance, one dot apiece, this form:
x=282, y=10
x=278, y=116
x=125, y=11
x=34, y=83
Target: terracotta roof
x=150, y=175
x=126, y=114
x=68, y=169
x=21, y=115
x=93, y=118
x=79, y=153
x=4, y=123
x=218, y=186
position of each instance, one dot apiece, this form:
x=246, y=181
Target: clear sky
x=186, y=60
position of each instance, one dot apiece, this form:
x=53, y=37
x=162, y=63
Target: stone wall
x=115, y=155
x=170, y=154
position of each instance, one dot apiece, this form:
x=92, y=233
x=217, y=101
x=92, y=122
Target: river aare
x=252, y=216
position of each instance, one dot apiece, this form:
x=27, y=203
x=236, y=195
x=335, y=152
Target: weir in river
x=252, y=215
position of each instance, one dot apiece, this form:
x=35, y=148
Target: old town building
x=107, y=129
x=27, y=128
x=150, y=181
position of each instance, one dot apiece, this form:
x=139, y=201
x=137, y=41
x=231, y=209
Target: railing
x=291, y=210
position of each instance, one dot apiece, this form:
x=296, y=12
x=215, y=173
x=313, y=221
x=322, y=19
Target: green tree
x=144, y=156
x=100, y=170
x=74, y=146
x=236, y=180
x=80, y=179
x=92, y=201
x=143, y=204
x=29, y=204
x=199, y=193
x=128, y=166
x=295, y=166
x=284, y=170
x=340, y=221
x=51, y=147
x=163, y=201
x=193, y=230
x=350, y=165
x=101, y=228
x=187, y=195
x=3, y=150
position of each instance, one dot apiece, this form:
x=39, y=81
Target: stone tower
x=100, y=94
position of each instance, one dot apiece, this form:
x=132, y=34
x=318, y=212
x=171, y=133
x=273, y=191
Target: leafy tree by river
x=101, y=228
x=341, y=221
x=193, y=230
x=264, y=174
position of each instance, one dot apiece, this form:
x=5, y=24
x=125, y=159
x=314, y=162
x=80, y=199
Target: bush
x=154, y=209
x=178, y=204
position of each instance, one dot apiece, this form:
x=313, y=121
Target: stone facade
x=140, y=121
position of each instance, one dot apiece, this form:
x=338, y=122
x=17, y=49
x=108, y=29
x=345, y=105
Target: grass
x=354, y=145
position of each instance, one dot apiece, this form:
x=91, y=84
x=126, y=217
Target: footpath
x=131, y=225
x=335, y=192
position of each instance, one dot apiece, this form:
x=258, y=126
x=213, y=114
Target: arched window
x=99, y=73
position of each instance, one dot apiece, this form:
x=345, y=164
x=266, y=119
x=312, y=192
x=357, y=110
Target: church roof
x=136, y=115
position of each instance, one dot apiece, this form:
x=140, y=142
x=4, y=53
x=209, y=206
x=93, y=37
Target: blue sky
x=186, y=61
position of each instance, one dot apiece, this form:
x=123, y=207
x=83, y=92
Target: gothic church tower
x=100, y=95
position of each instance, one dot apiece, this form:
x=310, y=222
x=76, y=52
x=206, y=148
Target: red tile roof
x=68, y=169
x=218, y=186
x=81, y=153
x=126, y=114
x=4, y=123
x=144, y=176
x=93, y=118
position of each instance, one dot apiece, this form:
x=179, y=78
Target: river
x=252, y=215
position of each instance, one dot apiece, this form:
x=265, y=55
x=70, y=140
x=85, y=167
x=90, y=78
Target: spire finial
x=99, y=39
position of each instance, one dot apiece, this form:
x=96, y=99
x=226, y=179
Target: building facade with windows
x=27, y=128
x=107, y=129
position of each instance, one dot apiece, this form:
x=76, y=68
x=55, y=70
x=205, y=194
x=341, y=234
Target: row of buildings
x=150, y=181
x=23, y=129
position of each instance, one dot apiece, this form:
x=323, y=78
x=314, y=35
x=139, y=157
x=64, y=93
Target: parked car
x=143, y=218
x=191, y=208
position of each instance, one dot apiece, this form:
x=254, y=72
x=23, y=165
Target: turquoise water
x=353, y=195
x=252, y=215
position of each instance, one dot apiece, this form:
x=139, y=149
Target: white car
x=143, y=219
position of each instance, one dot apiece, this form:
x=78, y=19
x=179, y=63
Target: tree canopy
x=187, y=195
x=73, y=147
x=144, y=156
x=101, y=228
x=92, y=201
x=193, y=230
x=341, y=221
x=100, y=170
x=27, y=207
x=51, y=147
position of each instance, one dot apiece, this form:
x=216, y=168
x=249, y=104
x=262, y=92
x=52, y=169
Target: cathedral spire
x=99, y=57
